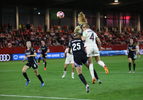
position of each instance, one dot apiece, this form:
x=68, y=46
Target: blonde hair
x=81, y=18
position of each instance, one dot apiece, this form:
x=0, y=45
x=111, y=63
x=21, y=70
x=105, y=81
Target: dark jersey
x=77, y=46
x=44, y=49
x=31, y=51
x=131, y=47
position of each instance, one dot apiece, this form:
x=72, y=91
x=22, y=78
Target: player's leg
x=129, y=64
x=95, y=74
x=79, y=72
x=25, y=68
x=89, y=55
x=65, y=68
x=45, y=62
x=39, y=76
x=101, y=63
x=134, y=65
x=39, y=59
x=72, y=64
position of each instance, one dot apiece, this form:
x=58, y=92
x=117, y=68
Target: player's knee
x=36, y=73
x=23, y=71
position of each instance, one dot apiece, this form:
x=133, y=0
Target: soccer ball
x=60, y=14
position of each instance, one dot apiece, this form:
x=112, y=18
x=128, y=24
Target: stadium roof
x=101, y=5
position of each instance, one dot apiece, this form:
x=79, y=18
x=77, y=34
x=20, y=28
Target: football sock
x=101, y=63
x=65, y=72
x=39, y=59
x=134, y=65
x=95, y=74
x=40, y=78
x=129, y=66
x=139, y=56
x=82, y=79
x=72, y=73
x=25, y=75
x=91, y=70
x=45, y=64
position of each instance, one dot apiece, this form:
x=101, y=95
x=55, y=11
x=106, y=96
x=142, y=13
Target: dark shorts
x=44, y=55
x=33, y=65
x=79, y=59
x=132, y=56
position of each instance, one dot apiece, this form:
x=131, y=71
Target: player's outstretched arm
x=24, y=59
x=99, y=43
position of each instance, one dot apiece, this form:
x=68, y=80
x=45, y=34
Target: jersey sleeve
x=66, y=50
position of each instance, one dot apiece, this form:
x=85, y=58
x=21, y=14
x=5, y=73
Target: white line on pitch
x=4, y=95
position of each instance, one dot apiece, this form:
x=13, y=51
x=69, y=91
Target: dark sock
x=95, y=74
x=39, y=59
x=45, y=64
x=82, y=79
x=40, y=78
x=134, y=65
x=129, y=66
x=25, y=75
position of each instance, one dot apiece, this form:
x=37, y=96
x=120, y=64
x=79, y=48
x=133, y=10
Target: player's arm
x=134, y=49
x=24, y=59
x=99, y=43
x=47, y=50
x=83, y=36
x=34, y=55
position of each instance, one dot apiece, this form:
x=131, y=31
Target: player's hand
x=131, y=49
x=28, y=55
x=101, y=48
x=23, y=61
x=45, y=53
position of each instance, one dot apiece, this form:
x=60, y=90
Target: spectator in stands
x=39, y=27
x=45, y=28
x=9, y=26
x=28, y=26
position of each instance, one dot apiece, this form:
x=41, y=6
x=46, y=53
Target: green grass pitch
x=117, y=85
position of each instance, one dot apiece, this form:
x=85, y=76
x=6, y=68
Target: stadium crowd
x=57, y=35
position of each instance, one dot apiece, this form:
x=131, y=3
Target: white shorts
x=69, y=60
x=137, y=52
x=92, y=51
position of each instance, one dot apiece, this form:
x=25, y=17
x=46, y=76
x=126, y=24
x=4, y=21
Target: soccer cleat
x=133, y=71
x=63, y=76
x=129, y=71
x=42, y=84
x=27, y=83
x=87, y=88
x=99, y=81
x=93, y=80
x=106, y=69
x=45, y=68
x=72, y=77
x=38, y=63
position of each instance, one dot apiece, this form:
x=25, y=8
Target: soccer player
x=137, y=52
x=69, y=60
x=30, y=53
x=131, y=50
x=79, y=57
x=90, y=37
x=43, y=54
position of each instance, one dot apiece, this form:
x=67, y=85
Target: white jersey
x=90, y=37
x=137, y=47
x=69, y=58
x=90, y=43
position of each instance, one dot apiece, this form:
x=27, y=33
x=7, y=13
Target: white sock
x=65, y=72
x=91, y=70
x=72, y=74
x=139, y=56
x=101, y=63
